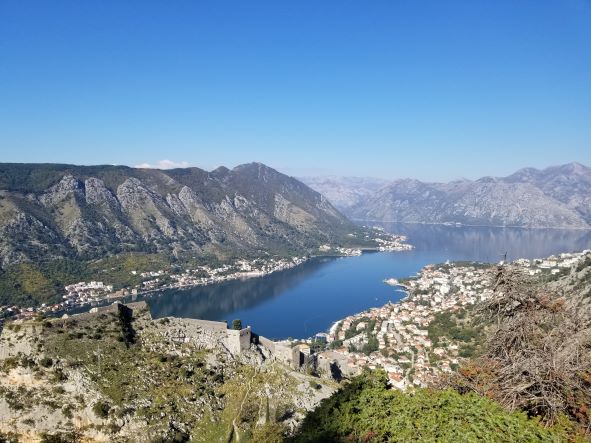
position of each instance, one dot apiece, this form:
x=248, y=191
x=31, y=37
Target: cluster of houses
x=84, y=293
x=81, y=292
x=242, y=269
x=395, y=243
x=349, y=252
x=389, y=242
x=404, y=348
x=385, y=242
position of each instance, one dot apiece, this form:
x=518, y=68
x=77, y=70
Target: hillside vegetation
x=60, y=224
x=525, y=373
x=367, y=410
x=536, y=356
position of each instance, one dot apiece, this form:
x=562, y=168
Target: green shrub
x=9, y=437
x=46, y=362
x=60, y=437
x=366, y=410
x=101, y=409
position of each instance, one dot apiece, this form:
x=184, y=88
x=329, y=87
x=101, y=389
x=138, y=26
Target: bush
x=315, y=385
x=537, y=356
x=60, y=437
x=46, y=362
x=9, y=437
x=269, y=433
x=125, y=317
x=367, y=410
x=101, y=409
x=335, y=344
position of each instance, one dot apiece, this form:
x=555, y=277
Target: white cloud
x=164, y=164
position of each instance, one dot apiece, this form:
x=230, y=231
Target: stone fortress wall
x=203, y=334
x=283, y=353
x=208, y=334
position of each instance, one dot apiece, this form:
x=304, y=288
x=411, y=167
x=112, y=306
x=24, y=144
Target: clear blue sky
x=428, y=89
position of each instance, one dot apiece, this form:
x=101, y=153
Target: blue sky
x=435, y=90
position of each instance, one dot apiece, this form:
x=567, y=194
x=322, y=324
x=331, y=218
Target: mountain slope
x=56, y=211
x=556, y=197
x=569, y=184
x=345, y=192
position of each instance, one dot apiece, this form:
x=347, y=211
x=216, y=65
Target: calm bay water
x=307, y=299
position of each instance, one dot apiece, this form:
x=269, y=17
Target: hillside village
x=401, y=337
x=84, y=293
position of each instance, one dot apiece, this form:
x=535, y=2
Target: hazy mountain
x=345, y=192
x=569, y=184
x=554, y=197
x=50, y=211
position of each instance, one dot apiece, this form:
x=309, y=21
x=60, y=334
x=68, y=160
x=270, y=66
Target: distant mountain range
x=345, y=192
x=555, y=197
x=52, y=211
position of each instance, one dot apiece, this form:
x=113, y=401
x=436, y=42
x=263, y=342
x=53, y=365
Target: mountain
x=54, y=211
x=556, y=197
x=345, y=192
x=569, y=184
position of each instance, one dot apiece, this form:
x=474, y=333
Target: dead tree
x=537, y=356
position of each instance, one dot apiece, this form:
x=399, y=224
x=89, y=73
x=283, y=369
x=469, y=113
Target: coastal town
x=399, y=337
x=388, y=242
x=92, y=292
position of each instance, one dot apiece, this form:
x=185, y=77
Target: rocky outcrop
x=59, y=378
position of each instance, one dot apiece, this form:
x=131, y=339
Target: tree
x=237, y=324
x=125, y=317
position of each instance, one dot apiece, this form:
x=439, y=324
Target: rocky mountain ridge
x=52, y=211
x=555, y=197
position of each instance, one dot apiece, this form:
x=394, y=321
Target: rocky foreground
x=118, y=375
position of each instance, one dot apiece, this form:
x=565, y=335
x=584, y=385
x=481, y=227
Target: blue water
x=307, y=299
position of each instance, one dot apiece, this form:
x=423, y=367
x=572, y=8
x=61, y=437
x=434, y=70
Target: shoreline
x=465, y=225
x=391, y=243
x=404, y=345
x=144, y=293
x=406, y=289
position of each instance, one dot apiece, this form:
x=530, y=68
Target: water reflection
x=489, y=244
x=218, y=302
